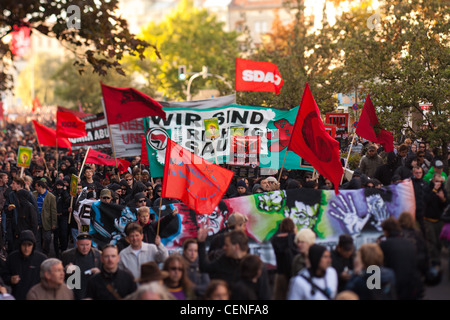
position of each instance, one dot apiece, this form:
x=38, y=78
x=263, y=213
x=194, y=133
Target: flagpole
x=40, y=148
x=82, y=164
x=348, y=156
x=281, y=170
x=111, y=139
x=57, y=156
x=79, y=175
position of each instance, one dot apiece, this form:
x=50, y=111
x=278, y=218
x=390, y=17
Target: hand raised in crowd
x=202, y=232
x=157, y=240
x=441, y=195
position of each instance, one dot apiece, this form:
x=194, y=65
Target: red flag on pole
x=195, y=181
x=96, y=157
x=125, y=104
x=79, y=114
x=69, y=125
x=144, y=154
x=20, y=40
x=257, y=76
x=36, y=104
x=311, y=141
x=370, y=129
x=47, y=136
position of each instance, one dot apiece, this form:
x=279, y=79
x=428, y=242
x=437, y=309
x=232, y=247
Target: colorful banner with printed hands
x=359, y=213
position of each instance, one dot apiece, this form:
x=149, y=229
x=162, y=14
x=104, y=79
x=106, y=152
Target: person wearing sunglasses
x=105, y=196
x=141, y=200
x=157, y=197
x=149, y=190
x=178, y=281
x=129, y=180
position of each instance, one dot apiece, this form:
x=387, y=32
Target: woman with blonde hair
x=304, y=238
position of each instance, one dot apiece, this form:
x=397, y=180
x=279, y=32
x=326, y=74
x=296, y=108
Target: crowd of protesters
x=41, y=244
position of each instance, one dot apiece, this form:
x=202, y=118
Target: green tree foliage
x=101, y=41
x=301, y=56
x=72, y=88
x=194, y=38
x=402, y=62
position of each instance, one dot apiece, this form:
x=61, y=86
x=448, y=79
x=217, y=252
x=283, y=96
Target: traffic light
x=182, y=72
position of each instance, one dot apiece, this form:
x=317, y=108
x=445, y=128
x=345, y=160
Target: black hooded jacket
x=385, y=172
x=28, y=268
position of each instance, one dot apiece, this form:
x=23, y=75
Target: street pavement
x=442, y=290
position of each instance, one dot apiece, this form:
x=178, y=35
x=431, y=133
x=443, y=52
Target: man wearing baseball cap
x=85, y=257
x=437, y=167
x=105, y=196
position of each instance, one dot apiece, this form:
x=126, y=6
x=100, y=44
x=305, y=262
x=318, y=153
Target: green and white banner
x=186, y=127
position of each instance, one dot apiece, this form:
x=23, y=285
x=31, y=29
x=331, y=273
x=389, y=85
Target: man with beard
x=370, y=162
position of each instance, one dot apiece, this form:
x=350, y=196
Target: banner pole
x=82, y=165
x=111, y=139
x=70, y=211
x=282, y=166
x=215, y=151
x=159, y=216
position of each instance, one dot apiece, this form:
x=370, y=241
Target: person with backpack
x=317, y=282
x=285, y=249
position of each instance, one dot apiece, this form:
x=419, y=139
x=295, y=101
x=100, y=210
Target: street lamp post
x=204, y=73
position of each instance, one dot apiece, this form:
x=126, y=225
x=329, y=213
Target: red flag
x=79, y=114
x=197, y=182
x=311, y=141
x=1, y=110
x=69, y=125
x=36, y=104
x=144, y=154
x=47, y=136
x=96, y=157
x=370, y=129
x=257, y=76
x=125, y=104
x=20, y=40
